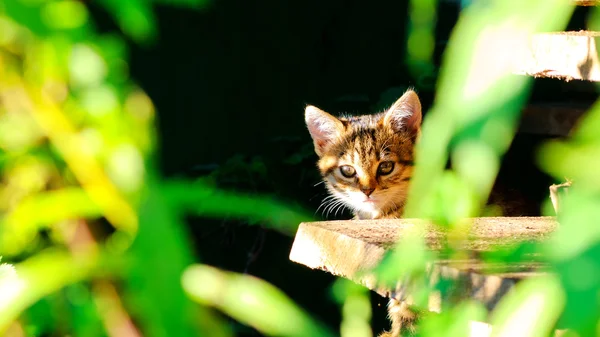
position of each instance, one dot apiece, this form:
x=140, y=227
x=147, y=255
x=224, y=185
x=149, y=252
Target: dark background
x=230, y=83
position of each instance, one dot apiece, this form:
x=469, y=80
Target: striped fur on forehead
x=366, y=138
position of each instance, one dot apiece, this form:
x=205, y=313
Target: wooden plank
x=551, y=119
x=564, y=55
x=351, y=248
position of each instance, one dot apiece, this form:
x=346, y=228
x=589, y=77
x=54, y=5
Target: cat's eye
x=347, y=171
x=385, y=168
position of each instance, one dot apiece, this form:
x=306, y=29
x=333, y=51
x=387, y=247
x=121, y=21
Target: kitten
x=366, y=163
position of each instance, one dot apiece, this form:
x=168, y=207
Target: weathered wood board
x=349, y=248
x=564, y=55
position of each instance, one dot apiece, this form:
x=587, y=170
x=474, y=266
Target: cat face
x=367, y=161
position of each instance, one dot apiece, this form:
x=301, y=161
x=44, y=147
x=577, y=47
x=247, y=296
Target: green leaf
x=580, y=278
x=135, y=17
x=207, y=201
x=356, y=308
x=86, y=67
x=26, y=13
x=477, y=66
x=251, y=301
x=40, y=276
x=19, y=226
x=159, y=255
x=67, y=14
x=531, y=309
x=457, y=322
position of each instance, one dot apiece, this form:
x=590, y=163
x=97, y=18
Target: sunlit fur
x=364, y=142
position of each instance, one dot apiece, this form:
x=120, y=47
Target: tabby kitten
x=366, y=163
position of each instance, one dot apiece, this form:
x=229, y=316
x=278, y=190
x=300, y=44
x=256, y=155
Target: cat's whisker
x=319, y=183
x=319, y=194
x=328, y=204
x=327, y=209
x=332, y=196
x=340, y=208
x=335, y=206
x=323, y=204
x=325, y=201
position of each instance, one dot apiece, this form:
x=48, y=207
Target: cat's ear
x=405, y=114
x=323, y=127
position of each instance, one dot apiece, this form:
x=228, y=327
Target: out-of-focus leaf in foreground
x=478, y=99
x=251, y=301
x=76, y=137
x=46, y=17
x=356, y=308
x=18, y=227
x=155, y=292
x=474, y=118
x=462, y=320
x=40, y=276
x=136, y=17
x=204, y=200
x=421, y=38
x=530, y=310
x=575, y=249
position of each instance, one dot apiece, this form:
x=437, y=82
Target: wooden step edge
x=567, y=56
x=352, y=248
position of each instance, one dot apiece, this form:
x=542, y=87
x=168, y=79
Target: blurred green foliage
x=78, y=150
x=97, y=237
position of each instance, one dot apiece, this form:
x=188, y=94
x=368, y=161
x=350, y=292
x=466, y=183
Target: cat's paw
x=404, y=319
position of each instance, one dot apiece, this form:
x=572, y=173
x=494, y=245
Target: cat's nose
x=367, y=190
